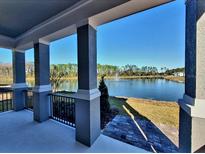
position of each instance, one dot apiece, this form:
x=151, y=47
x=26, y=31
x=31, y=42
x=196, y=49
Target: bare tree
x=56, y=75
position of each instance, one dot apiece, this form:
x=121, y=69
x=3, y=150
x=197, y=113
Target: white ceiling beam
x=126, y=9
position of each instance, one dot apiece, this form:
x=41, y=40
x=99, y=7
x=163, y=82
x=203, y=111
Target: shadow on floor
x=139, y=131
x=201, y=150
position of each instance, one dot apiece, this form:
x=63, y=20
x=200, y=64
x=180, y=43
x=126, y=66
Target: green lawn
x=160, y=112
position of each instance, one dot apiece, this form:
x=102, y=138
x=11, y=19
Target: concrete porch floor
x=19, y=133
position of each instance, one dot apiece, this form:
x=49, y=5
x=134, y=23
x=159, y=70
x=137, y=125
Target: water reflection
x=158, y=89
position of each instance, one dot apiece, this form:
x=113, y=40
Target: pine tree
x=104, y=102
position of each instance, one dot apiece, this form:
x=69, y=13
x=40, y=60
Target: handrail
x=62, y=94
x=5, y=89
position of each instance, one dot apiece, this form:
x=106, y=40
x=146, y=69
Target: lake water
x=158, y=89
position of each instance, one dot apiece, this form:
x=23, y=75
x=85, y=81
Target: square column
x=41, y=105
x=192, y=106
x=88, y=95
x=19, y=79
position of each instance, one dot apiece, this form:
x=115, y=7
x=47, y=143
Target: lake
x=158, y=89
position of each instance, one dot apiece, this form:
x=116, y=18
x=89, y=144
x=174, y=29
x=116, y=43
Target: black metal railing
x=63, y=109
x=6, y=102
x=29, y=99
x=62, y=106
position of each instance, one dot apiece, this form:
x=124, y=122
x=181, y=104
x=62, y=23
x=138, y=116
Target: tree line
x=71, y=70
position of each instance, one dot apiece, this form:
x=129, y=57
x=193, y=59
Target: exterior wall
x=192, y=117
x=200, y=42
x=198, y=137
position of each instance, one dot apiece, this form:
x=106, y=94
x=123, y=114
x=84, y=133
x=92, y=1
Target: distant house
x=179, y=74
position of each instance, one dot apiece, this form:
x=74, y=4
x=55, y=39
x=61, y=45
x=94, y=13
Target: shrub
x=104, y=98
x=104, y=103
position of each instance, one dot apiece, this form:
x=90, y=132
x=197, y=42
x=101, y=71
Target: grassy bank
x=134, y=77
x=159, y=112
x=6, y=81
x=175, y=78
x=110, y=77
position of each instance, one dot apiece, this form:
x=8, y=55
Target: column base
x=41, y=103
x=87, y=116
x=19, y=96
x=191, y=125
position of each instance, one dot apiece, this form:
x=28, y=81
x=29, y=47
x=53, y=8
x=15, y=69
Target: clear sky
x=155, y=38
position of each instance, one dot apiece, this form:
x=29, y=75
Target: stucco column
x=19, y=79
x=192, y=106
x=42, y=82
x=88, y=101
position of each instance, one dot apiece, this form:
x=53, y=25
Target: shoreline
x=175, y=78
x=169, y=78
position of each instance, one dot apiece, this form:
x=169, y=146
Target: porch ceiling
x=16, y=17
x=22, y=23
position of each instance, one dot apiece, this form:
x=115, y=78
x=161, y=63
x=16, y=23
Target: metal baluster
x=53, y=102
x=11, y=95
x=55, y=105
x=27, y=99
x=59, y=108
x=51, y=106
x=67, y=111
x=1, y=98
x=71, y=112
x=3, y=101
x=60, y=105
x=7, y=99
x=63, y=107
x=73, y=106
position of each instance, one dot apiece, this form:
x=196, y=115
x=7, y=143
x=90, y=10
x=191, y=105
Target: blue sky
x=155, y=38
